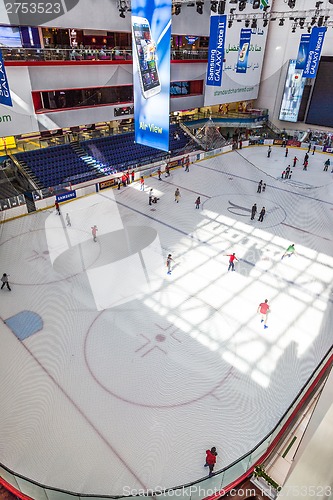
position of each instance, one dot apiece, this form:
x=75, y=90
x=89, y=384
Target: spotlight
x=318, y=4
x=309, y=29
x=230, y=23
x=199, y=5
x=178, y=8
x=301, y=22
x=293, y=29
x=265, y=20
x=122, y=13
x=254, y=24
x=221, y=7
x=213, y=6
x=320, y=21
x=242, y=5
x=247, y=22
x=291, y=4
x=281, y=22
x=313, y=21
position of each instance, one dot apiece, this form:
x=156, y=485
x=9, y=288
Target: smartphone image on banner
x=146, y=57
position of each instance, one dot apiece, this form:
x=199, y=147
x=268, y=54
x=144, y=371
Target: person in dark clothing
x=4, y=280
x=259, y=187
x=306, y=157
x=211, y=459
x=262, y=214
x=150, y=196
x=197, y=202
x=314, y=150
x=269, y=151
x=295, y=160
x=253, y=211
x=286, y=153
x=56, y=204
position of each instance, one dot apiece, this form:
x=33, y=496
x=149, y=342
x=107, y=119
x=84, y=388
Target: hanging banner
x=244, y=48
x=303, y=51
x=4, y=86
x=292, y=94
x=216, y=50
x=315, y=46
x=151, y=36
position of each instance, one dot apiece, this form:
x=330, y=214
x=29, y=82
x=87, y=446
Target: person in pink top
x=263, y=308
x=94, y=233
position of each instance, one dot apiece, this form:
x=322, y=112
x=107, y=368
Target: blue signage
x=303, y=51
x=4, y=86
x=216, y=50
x=151, y=36
x=315, y=46
x=69, y=195
x=244, y=48
x=191, y=39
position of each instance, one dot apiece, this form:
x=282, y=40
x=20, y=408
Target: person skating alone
x=211, y=459
x=259, y=187
x=150, y=196
x=68, y=220
x=314, y=150
x=232, y=258
x=286, y=153
x=142, y=183
x=167, y=170
x=169, y=263
x=295, y=160
x=289, y=251
x=4, y=280
x=263, y=309
x=253, y=211
x=159, y=172
x=94, y=230
x=177, y=195
x=262, y=214
x=57, y=207
x=326, y=164
x=187, y=164
x=269, y=151
x=306, y=158
x=197, y=202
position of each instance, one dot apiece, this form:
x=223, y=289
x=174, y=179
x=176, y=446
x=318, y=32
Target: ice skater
x=289, y=251
x=326, y=164
x=4, y=280
x=150, y=196
x=167, y=170
x=57, y=207
x=314, y=150
x=259, y=187
x=142, y=183
x=295, y=160
x=269, y=151
x=177, y=195
x=94, y=230
x=253, y=211
x=211, y=459
x=286, y=153
x=159, y=171
x=306, y=158
x=305, y=167
x=197, y=202
x=263, y=309
x=262, y=214
x=187, y=164
x=231, y=261
x=68, y=220
x=264, y=187
x=169, y=263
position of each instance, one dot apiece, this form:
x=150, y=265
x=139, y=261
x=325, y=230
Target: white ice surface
x=136, y=373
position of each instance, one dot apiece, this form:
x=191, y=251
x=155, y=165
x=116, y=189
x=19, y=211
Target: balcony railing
x=21, y=54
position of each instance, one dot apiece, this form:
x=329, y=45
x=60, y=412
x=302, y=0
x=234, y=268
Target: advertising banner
x=151, y=35
x=303, y=51
x=241, y=65
x=216, y=50
x=69, y=195
x=243, y=53
x=315, y=46
x=292, y=94
x=4, y=86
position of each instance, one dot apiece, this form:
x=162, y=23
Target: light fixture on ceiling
x=199, y=5
x=213, y=5
x=281, y=22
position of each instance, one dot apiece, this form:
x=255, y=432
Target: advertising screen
x=151, y=35
x=320, y=112
x=292, y=94
x=241, y=62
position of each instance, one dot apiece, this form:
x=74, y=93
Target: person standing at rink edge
x=211, y=459
x=263, y=309
x=94, y=233
x=56, y=204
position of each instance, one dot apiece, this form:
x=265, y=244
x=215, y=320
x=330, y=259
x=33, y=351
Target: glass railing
x=58, y=54
x=205, y=487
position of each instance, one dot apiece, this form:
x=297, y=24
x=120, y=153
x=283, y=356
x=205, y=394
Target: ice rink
x=115, y=374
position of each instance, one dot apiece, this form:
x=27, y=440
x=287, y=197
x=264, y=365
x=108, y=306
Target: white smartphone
x=146, y=57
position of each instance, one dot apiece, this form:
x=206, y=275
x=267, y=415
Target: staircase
x=91, y=162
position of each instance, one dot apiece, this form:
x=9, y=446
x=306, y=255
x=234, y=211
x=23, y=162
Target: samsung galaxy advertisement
x=151, y=34
x=292, y=95
x=244, y=48
x=314, y=52
x=303, y=51
x=4, y=86
x=216, y=50
x=241, y=65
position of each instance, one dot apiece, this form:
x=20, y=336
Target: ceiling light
x=178, y=8
x=199, y=7
x=320, y=21
x=254, y=24
x=281, y=22
x=213, y=6
x=221, y=7
x=247, y=22
x=291, y=4
x=293, y=29
x=242, y=5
